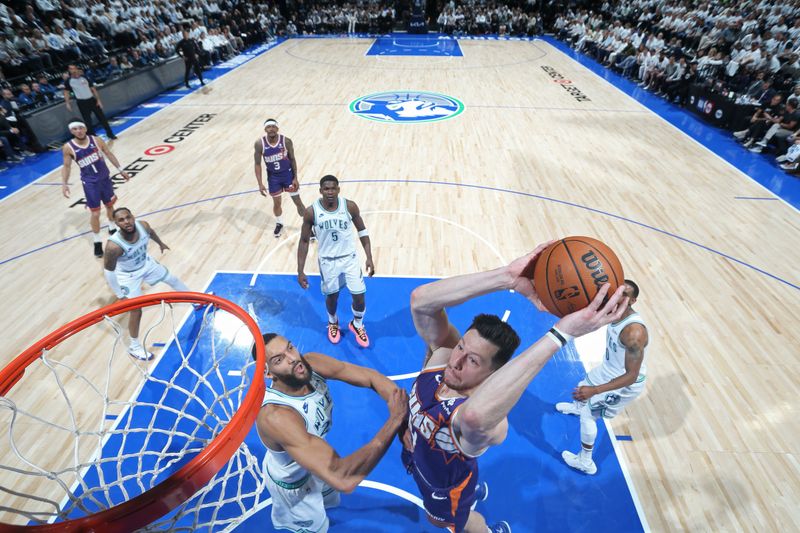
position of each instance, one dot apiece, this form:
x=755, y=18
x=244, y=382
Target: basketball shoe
x=334, y=335
x=575, y=461
x=278, y=229
x=137, y=350
x=568, y=408
x=481, y=493
x=98, y=249
x=500, y=527
x=361, y=335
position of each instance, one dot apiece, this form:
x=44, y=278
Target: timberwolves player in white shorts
x=607, y=389
x=304, y=474
x=333, y=218
x=128, y=265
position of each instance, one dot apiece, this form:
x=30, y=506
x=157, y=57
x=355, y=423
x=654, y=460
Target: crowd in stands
x=108, y=39
x=748, y=52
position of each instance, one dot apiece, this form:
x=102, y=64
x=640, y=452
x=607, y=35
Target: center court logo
x=406, y=106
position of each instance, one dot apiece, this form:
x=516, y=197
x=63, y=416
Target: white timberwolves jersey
x=614, y=361
x=317, y=411
x=335, y=235
x=134, y=254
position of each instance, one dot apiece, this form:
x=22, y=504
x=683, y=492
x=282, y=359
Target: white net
x=89, y=427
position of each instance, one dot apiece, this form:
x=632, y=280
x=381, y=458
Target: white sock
x=135, y=341
x=585, y=454
x=358, y=317
x=279, y=220
x=333, y=319
x=111, y=226
x=97, y=237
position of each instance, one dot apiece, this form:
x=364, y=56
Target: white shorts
x=611, y=403
x=151, y=273
x=300, y=506
x=341, y=272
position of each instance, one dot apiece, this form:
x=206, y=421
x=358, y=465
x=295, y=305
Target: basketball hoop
x=208, y=412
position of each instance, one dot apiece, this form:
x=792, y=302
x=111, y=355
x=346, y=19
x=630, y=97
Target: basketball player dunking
x=277, y=151
x=459, y=402
x=333, y=218
x=607, y=389
x=87, y=151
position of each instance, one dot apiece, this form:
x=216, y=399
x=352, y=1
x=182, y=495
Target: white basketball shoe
x=568, y=408
x=575, y=461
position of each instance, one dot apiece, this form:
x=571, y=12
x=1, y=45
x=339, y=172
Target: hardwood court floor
x=715, y=437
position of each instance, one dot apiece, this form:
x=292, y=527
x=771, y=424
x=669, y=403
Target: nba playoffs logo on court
x=406, y=106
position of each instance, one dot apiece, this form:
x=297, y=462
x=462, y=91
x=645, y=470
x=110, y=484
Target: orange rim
x=180, y=486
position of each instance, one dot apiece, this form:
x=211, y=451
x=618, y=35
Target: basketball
x=569, y=273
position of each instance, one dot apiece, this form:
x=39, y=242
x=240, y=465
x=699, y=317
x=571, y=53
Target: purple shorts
x=278, y=184
x=102, y=190
x=447, y=507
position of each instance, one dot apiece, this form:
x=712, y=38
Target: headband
x=76, y=124
x=270, y=122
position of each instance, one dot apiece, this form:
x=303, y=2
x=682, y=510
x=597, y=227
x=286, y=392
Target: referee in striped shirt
x=87, y=98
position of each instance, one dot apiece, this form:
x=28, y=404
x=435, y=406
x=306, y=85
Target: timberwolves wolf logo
x=410, y=106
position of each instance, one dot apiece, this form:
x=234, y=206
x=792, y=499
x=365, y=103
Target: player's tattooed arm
x=634, y=338
x=155, y=237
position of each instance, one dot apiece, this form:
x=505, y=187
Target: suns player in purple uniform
x=87, y=151
x=459, y=403
x=277, y=152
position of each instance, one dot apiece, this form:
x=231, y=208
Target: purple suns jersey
x=276, y=158
x=90, y=160
x=437, y=455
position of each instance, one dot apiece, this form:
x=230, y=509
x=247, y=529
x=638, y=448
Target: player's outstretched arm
x=481, y=420
x=155, y=237
x=318, y=457
x=111, y=157
x=429, y=301
x=359, y=376
x=302, y=246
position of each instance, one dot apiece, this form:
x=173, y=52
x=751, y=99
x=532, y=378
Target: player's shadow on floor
x=374, y=508
x=528, y=418
x=671, y=386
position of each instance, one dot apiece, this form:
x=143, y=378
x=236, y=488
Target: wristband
x=559, y=337
x=363, y=233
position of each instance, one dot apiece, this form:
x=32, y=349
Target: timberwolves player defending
x=607, y=389
x=127, y=265
x=277, y=152
x=332, y=217
x=304, y=474
x=459, y=403
x=87, y=151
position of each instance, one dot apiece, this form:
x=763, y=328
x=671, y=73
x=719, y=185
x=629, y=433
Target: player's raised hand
x=521, y=269
x=596, y=314
x=302, y=279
